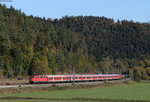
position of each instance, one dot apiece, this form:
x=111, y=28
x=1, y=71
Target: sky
x=136, y=10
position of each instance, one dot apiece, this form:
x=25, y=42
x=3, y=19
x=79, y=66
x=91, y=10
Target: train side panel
x=70, y=78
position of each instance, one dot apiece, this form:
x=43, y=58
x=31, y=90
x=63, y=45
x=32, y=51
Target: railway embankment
x=53, y=87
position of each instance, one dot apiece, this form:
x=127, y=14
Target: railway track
x=59, y=84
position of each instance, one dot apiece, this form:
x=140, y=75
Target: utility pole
x=118, y=68
x=131, y=73
x=73, y=75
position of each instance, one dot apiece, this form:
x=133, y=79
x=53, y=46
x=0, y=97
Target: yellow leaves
x=53, y=50
x=40, y=66
x=106, y=65
x=1, y=73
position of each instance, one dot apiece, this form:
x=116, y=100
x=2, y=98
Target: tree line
x=33, y=45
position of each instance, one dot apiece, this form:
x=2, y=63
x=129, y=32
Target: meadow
x=131, y=92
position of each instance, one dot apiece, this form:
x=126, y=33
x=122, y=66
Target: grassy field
x=34, y=101
x=138, y=91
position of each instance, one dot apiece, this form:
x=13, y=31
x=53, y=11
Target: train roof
x=82, y=75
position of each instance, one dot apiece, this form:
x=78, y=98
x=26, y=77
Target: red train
x=70, y=78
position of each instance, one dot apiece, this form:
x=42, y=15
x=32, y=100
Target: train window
x=58, y=78
x=50, y=78
x=75, y=77
x=66, y=78
x=39, y=77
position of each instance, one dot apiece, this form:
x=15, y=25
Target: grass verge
x=52, y=88
x=72, y=99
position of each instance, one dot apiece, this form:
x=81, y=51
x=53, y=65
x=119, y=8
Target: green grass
x=35, y=101
x=139, y=91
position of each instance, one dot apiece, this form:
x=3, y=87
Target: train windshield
x=41, y=76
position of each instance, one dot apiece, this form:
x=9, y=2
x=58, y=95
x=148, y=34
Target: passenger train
x=70, y=78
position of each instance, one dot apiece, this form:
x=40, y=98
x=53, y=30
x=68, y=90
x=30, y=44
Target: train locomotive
x=70, y=78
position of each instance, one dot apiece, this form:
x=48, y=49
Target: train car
x=70, y=78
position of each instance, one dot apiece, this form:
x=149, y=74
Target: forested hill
x=33, y=45
x=104, y=37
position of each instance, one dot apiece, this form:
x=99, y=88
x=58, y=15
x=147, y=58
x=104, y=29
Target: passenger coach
x=70, y=78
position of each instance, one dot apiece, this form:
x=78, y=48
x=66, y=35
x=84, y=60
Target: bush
x=139, y=74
